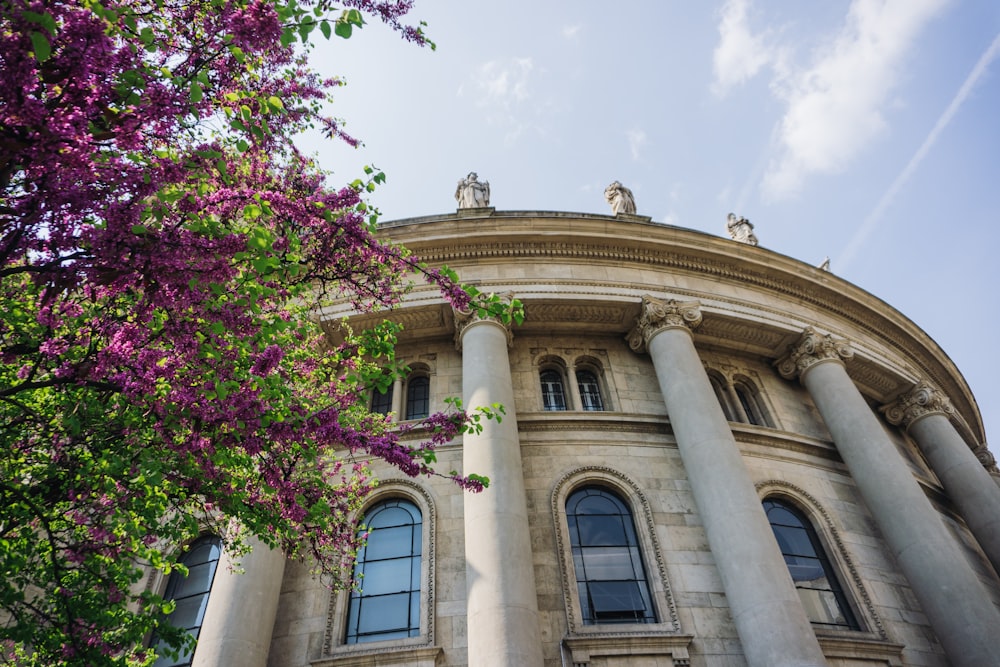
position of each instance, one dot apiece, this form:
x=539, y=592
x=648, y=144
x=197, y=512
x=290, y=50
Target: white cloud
x=857, y=241
x=571, y=31
x=503, y=87
x=636, y=140
x=740, y=54
x=835, y=106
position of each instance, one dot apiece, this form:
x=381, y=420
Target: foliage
x=164, y=247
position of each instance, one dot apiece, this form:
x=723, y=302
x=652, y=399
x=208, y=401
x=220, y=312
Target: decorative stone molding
x=465, y=318
x=657, y=315
x=921, y=401
x=812, y=348
x=418, y=650
x=803, y=498
x=647, y=530
x=623, y=645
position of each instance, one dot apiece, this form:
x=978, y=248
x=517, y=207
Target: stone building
x=713, y=455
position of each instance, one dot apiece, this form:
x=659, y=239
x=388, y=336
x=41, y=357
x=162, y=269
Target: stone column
x=503, y=623
x=241, y=608
x=397, y=400
x=772, y=624
x=574, y=388
x=955, y=601
x=924, y=411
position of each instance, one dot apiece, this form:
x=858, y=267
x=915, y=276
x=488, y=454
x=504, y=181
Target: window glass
x=386, y=601
x=751, y=405
x=382, y=402
x=610, y=575
x=590, y=391
x=720, y=395
x=553, y=397
x=817, y=584
x=190, y=593
x=418, y=393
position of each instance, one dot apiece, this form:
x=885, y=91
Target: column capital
x=658, y=315
x=812, y=348
x=466, y=318
x=922, y=400
x=986, y=457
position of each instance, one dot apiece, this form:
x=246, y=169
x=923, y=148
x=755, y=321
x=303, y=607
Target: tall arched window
x=382, y=401
x=720, y=395
x=814, y=577
x=750, y=402
x=418, y=397
x=190, y=594
x=610, y=575
x=553, y=397
x=386, y=601
x=590, y=391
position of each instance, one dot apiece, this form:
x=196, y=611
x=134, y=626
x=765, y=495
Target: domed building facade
x=712, y=455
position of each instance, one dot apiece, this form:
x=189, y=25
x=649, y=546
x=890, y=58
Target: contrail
x=869, y=223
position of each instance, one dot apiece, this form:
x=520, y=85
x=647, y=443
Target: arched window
x=190, y=594
x=814, y=577
x=610, y=575
x=382, y=401
x=386, y=601
x=553, y=397
x=751, y=404
x=418, y=397
x=590, y=391
x=720, y=395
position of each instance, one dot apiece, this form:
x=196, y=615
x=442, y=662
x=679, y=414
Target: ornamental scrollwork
x=986, y=457
x=924, y=399
x=812, y=348
x=657, y=315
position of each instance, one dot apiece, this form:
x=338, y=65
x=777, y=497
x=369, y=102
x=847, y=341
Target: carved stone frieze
x=924, y=399
x=575, y=312
x=657, y=315
x=812, y=348
x=465, y=318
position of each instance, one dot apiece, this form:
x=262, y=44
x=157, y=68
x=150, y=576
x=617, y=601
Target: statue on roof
x=472, y=193
x=740, y=229
x=620, y=198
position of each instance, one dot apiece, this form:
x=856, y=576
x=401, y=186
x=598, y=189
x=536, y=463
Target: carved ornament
x=465, y=318
x=657, y=315
x=986, y=457
x=921, y=401
x=811, y=349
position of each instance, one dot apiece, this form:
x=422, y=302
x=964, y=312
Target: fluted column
x=956, y=604
x=574, y=388
x=397, y=400
x=241, y=608
x=924, y=412
x=503, y=623
x=772, y=624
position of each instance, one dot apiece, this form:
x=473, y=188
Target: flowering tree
x=162, y=242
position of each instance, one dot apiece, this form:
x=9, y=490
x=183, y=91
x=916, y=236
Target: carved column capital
x=986, y=457
x=658, y=315
x=924, y=399
x=465, y=318
x=811, y=349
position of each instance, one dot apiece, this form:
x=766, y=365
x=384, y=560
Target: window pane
x=819, y=590
x=553, y=397
x=190, y=593
x=590, y=391
x=611, y=580
x=199, y=580
x=388, y=571
x=382, y=402
x=418, y=392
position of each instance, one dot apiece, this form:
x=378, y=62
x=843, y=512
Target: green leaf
x=139, y=230
x=343, y=29
x=43, y=50
x=195, y=92
x=275, y=103
x=324, y=27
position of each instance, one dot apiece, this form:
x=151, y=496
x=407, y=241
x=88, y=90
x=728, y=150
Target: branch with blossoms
x=162, y=243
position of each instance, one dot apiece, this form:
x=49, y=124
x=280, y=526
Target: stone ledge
x=421, y=656
x=862, y=650
x=674, y=648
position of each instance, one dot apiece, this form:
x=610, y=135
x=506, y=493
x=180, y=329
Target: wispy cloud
x=503, y=87
x=636, y=140
x=834, y=107
x=571, y=31
x=740, y=54
x=860, y=236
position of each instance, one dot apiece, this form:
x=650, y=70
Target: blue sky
x=866, y=131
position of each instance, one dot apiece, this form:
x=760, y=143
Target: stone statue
x=620, y=198
x=824, y=265
x=740, y=229
x=472, y=193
